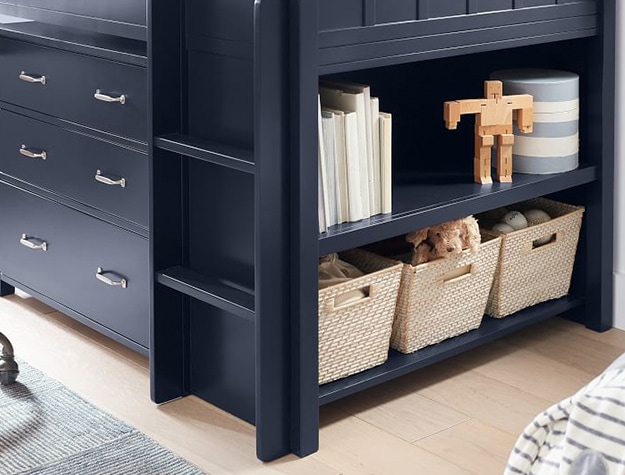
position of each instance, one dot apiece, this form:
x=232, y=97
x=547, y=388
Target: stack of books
x=354, y=154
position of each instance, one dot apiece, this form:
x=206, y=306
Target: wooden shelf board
x=427, y=202
x=399, y=364
x=445, y=25
x=115, y=48
x=209, y=290
x=347, y=49
x=349, y=63
x=219, y=154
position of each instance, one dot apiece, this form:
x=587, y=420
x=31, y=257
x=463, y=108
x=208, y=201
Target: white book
x=352, y=154
x=322, y=205
x=386, y=169
x=368, y=136
x=341, y=165
x=329, y=147
x=377, y=183
x=353, y=102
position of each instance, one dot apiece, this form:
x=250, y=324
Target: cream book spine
x=341, y=165
x=368, y=137
x=329, y=148
x=386, y=158
x=353, y=102
x=322, y=202
x=377, y=165
x=354, y=181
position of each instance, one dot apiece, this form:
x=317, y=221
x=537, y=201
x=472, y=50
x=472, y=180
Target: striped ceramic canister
x=554, y=144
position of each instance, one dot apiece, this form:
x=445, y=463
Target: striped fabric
x=581, y=435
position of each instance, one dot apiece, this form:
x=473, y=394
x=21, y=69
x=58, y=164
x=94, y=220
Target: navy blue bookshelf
x=233, y=147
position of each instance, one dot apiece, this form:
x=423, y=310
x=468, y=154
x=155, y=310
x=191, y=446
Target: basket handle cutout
x=351, y=298
x=457, y=274
x=547, y=241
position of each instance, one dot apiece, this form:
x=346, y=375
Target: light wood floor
x=461, y=416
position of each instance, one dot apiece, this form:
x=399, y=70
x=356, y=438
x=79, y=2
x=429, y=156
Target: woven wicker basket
x=443, y=298
x=528, y=274
x=355, y=337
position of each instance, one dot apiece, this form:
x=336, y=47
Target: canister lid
x=545, y=85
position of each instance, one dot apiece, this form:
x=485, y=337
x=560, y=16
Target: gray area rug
x=47, y=429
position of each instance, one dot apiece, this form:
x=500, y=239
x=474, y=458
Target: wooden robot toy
x=493, y=117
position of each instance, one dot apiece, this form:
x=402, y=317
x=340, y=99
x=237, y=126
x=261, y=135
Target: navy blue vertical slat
x=602, y=315
x=369, y=12
x=305, y=227
x=597, y=246
x=168, y=324
x=423, y=9
x=272, y=333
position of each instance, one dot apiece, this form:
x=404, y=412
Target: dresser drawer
x=76, y=246
x=75, y=166
x=65, y=85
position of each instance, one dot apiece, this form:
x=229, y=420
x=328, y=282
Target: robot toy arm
x=524, y=103
x=454, y=109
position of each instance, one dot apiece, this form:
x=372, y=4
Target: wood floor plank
x=356, y=447
x=488, y=400
x=463, y=414
x=220, y=443
x=568, y=343
x=22, y=304
x=407, y=415
x=31, y=302
x=529, y=371
x=472, y=444
x=98, y=338
x=293, y=465
x=613, y=336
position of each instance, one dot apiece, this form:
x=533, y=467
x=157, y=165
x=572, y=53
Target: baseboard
x=619, y=300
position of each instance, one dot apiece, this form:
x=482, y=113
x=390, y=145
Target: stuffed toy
x=334, y=271
x=445, y=239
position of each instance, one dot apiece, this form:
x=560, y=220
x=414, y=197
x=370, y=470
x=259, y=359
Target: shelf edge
x=380, y=227
x=209, y=291
x=229, y=157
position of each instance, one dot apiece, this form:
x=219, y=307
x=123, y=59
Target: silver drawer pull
x=109, y=181
x=26, y=241
x=115, y=283
x=100, y=96
x=28, y=78
x=27, y=153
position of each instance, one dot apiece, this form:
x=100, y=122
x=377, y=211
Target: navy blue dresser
x=73, y=161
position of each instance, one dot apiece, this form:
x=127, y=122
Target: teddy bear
x=445, y=239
